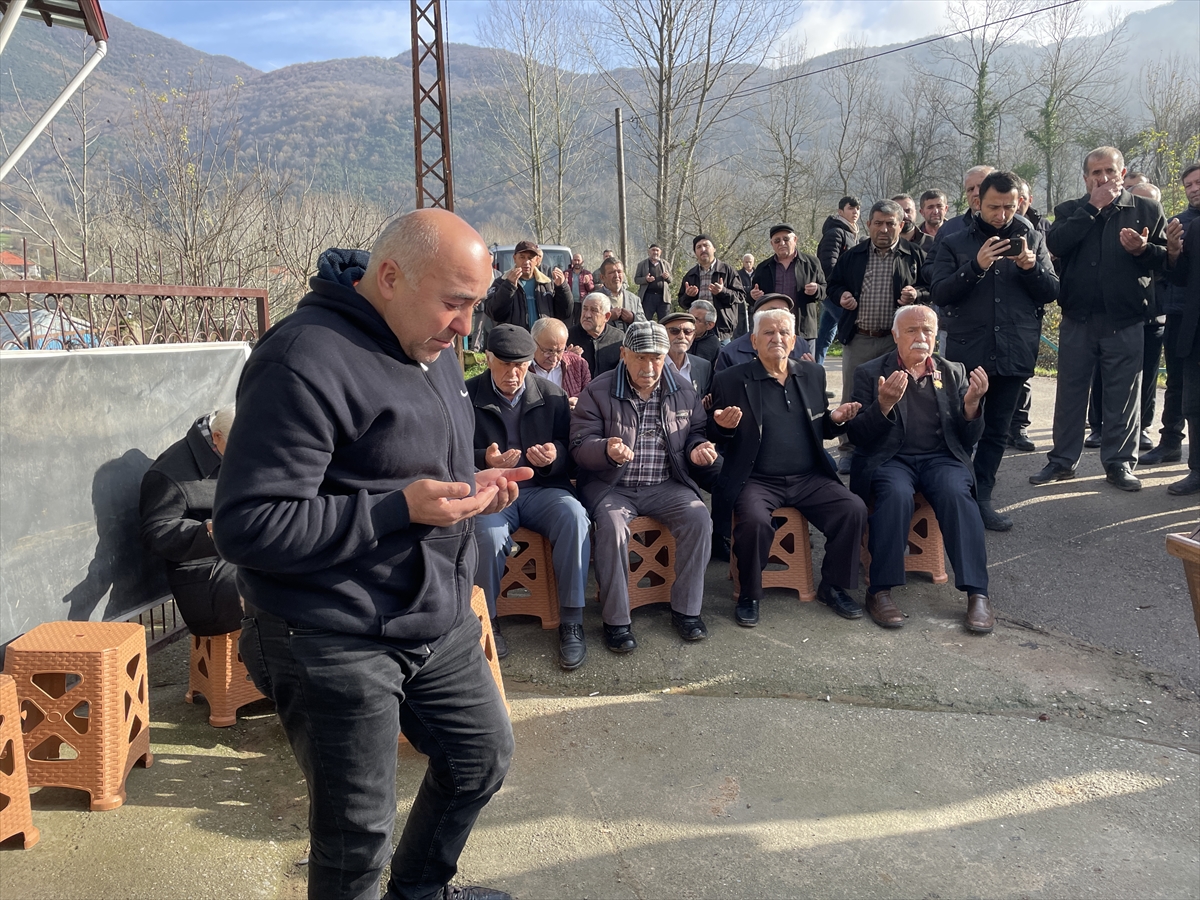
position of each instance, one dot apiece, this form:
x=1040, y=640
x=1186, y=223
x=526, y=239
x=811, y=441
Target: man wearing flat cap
x=524, y=293
x=741, y=350
x=522, y=420
x=796, y=275
x=695, y=370
x=637, y=434
x=714, y=281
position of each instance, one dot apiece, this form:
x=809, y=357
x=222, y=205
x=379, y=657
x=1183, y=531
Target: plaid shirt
x=876, y=301
x=706, y=283
x=649, y=464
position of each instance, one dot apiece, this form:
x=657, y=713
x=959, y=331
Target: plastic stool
x=925, y=551
x=217, y=673
x=15, y=815
x=792, y=548
x=651, y=562
x=85, y=705
x=529, y=570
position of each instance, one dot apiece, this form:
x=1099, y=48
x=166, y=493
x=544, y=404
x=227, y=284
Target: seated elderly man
x=706, y=344
x=919, y=419
x=770, y=416
x=681, y=331
x=635, y=433
x=521, y=420
x=741, y=350
x=594, y=331
x=176, y=511
x=554, y=362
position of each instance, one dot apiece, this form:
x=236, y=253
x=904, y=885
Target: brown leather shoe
x=883, y=611
x=980, y=618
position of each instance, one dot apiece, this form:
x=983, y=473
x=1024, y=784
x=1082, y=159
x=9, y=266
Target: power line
x=746, y=92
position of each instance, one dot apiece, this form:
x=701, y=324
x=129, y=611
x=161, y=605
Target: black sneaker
x=690, y=628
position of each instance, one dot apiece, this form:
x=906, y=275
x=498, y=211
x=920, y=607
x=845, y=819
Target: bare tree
x=917, y=146
x=1170, y=138
x=1076, y=75
x=684, y=61
x=853, y=90
x=790, y=123
x=986, y=91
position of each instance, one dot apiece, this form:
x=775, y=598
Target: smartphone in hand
x=1016, y=246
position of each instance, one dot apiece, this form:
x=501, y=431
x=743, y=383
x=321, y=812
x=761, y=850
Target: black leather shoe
x=839, y=601
x=690, y=628
x=1190, y=484
x=746, y=613
x=572, y=649
x=498, y=640
x=992, y=520
x=1161, y=454
x=1121, y=475
x=1145, y=442
x=1019, y=440
x=619, y=638
x=844, y=464
x=1051, y=472
x=473, y=892
x=1092, y=441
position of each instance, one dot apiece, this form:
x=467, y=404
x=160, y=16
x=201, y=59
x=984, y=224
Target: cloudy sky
x=269, y=34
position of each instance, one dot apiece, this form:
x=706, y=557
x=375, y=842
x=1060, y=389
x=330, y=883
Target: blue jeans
x=343, y=700
x=826, y=330
x=551, y=512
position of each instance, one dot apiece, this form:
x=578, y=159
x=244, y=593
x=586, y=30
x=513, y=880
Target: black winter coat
x=505, y=302
x=837, y=236
x=994, y=318
x=808, y=309
x=850, y=270
x=545, y=419
x=726, y=302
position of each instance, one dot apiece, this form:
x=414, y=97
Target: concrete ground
x=811, y=756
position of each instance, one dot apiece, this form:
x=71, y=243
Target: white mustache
x=920, y=345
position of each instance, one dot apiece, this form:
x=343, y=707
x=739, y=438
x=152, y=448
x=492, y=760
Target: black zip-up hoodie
x=334, y=421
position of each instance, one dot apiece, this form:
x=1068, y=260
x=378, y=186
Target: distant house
x=12, y=265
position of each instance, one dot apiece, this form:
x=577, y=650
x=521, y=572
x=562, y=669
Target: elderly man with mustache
x=919, y=418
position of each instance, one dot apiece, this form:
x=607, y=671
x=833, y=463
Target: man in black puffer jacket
x=838, y=234
x=348, y=507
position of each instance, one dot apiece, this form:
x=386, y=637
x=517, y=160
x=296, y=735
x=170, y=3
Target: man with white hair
x=176, y=512
x=706, y=344
x=770, y=417
x=554, y=362
x=919, y=418
x=347, y=509
x=636, y=434
x=595, y=330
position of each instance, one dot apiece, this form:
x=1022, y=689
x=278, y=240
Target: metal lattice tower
x=431, y=107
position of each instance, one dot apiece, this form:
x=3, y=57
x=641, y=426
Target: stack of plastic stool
x=15, y=815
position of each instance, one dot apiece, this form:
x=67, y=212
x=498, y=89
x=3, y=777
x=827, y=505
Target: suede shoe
x=992, y=520
x=1120, y=475
x=883, y=611
x=690, y=628
x=1189, y=484
x=473, y=892
x=839, y=601
x=1145, y=442
x=980, y=617
x=498, y=640
x=572, y=649
x=746, y=612
x=1163, y=453
x=1019, y=440
x=1051, y=472
x=619, y=638
x=1092, y=441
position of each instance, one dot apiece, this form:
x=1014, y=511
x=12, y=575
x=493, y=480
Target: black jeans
x=1171, y=433
x=999, y=404
x=343, y=700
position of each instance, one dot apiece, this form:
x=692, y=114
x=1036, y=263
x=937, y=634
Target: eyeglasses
x=552, y=351
x=678, y=331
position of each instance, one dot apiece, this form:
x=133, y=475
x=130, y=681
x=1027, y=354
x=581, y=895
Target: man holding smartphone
x=991, y=281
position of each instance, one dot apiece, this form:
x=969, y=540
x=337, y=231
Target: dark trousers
x=211, y=606
x=1003, y=395
x=1118, y=353
x=655, y=306
x=343, y=700
x=946, y=484
x=1152, y=347
x=827, y=503
x=1190, y=377
x=1021, y=419
x=722, y=513
x=1171, y=433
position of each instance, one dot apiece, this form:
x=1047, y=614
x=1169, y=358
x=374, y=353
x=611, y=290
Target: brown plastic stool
x=925, y=552
x=651, y=562
x=15, y=815
x=217, y=673
x=528, y=587
x=791, y=548
x=85, y=705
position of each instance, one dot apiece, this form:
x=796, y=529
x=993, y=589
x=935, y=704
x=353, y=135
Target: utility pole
x=622, y=225
x=431, y=107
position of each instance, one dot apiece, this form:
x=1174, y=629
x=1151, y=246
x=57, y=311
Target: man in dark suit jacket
x=595, y=330
x=681, y=329
x=770, y=417
x=715, y=281
x=521, y=419
x=797, y=275
x=1110, y=243
x=176, y=511
x=1183, y=270
x=920, y=417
